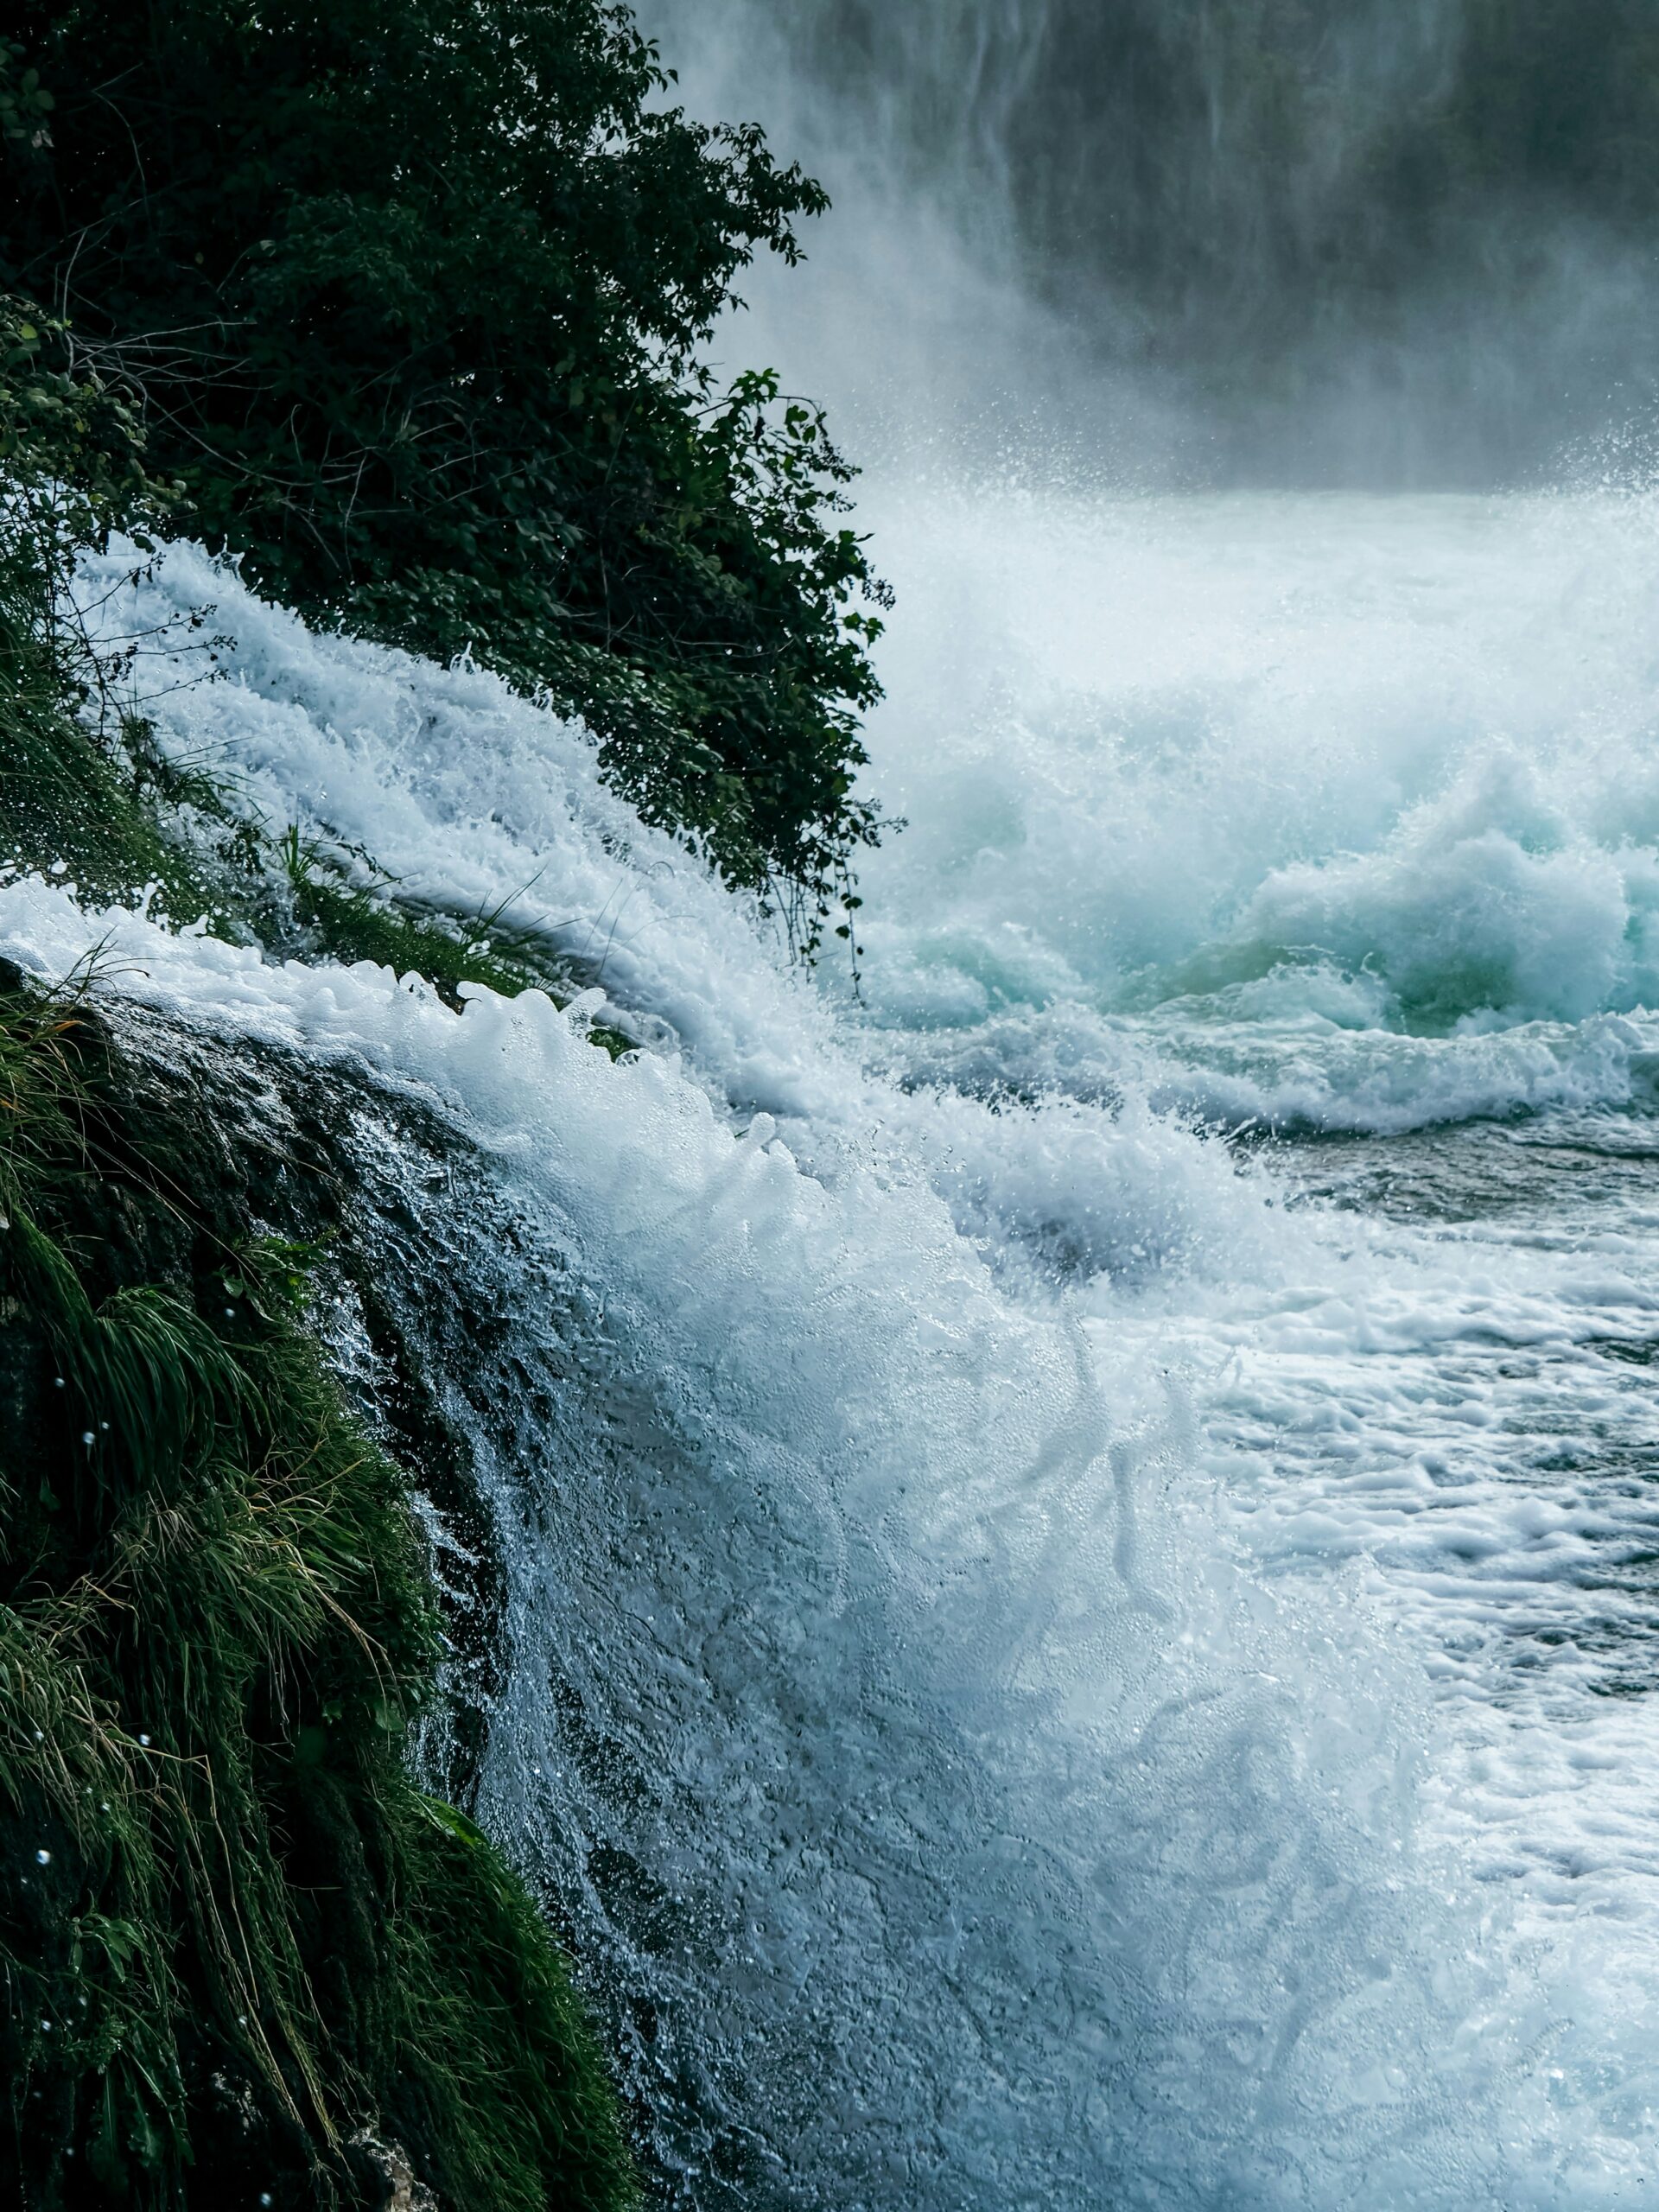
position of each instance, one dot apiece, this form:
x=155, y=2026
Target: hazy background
x=1366, y=242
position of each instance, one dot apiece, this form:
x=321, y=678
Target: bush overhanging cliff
x=404, y=305
x=412, y=298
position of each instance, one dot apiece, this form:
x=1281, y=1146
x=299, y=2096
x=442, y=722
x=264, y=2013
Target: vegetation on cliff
x=245, y=1958
x=412, y=300
x=74, y=770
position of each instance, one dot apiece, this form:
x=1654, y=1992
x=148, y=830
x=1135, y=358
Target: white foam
x=1146, y=1799
x=1371, y=768
x=1087, y=1741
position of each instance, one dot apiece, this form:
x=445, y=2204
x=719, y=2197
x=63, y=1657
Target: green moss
x=240, y=1949
x=349, y=921
x=106, y=816
x=356, y=924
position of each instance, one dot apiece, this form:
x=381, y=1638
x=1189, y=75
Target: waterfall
x=1060, y=1540
x=1226, y=241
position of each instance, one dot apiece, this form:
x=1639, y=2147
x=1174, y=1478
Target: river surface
x=1081, y=1529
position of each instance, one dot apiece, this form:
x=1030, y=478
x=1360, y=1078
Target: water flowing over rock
x=1013, y=1622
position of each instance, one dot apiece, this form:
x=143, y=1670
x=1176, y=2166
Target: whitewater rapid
x=1082, y=1602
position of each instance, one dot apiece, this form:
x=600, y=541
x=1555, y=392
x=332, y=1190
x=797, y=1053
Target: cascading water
x=1049, y=1658
x=1075, y=1535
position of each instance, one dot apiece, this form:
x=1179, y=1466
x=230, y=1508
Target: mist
x=1391, y=244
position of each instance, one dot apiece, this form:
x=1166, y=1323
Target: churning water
x=1081, y=1596
x=1079, y=1611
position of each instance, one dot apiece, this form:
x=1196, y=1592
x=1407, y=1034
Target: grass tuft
x=239, y=1947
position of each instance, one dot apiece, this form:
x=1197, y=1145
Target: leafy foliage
x=241, y=1951
x=25, y=103
x=72, y=470
x=415, y=295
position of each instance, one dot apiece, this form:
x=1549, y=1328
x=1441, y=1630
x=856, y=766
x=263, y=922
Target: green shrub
x=414, y=291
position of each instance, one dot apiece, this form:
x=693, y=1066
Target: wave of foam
x=1056, y=1815
x=1363, y=769
x=479, y=803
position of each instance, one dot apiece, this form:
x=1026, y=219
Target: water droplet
x=58, y=1383
x=43, y=1859
x=87, y=1438
x=144, y=1740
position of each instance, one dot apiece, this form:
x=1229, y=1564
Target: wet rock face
x=389, y=2180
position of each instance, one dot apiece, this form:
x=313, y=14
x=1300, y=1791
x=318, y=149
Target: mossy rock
x=246, y=1959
